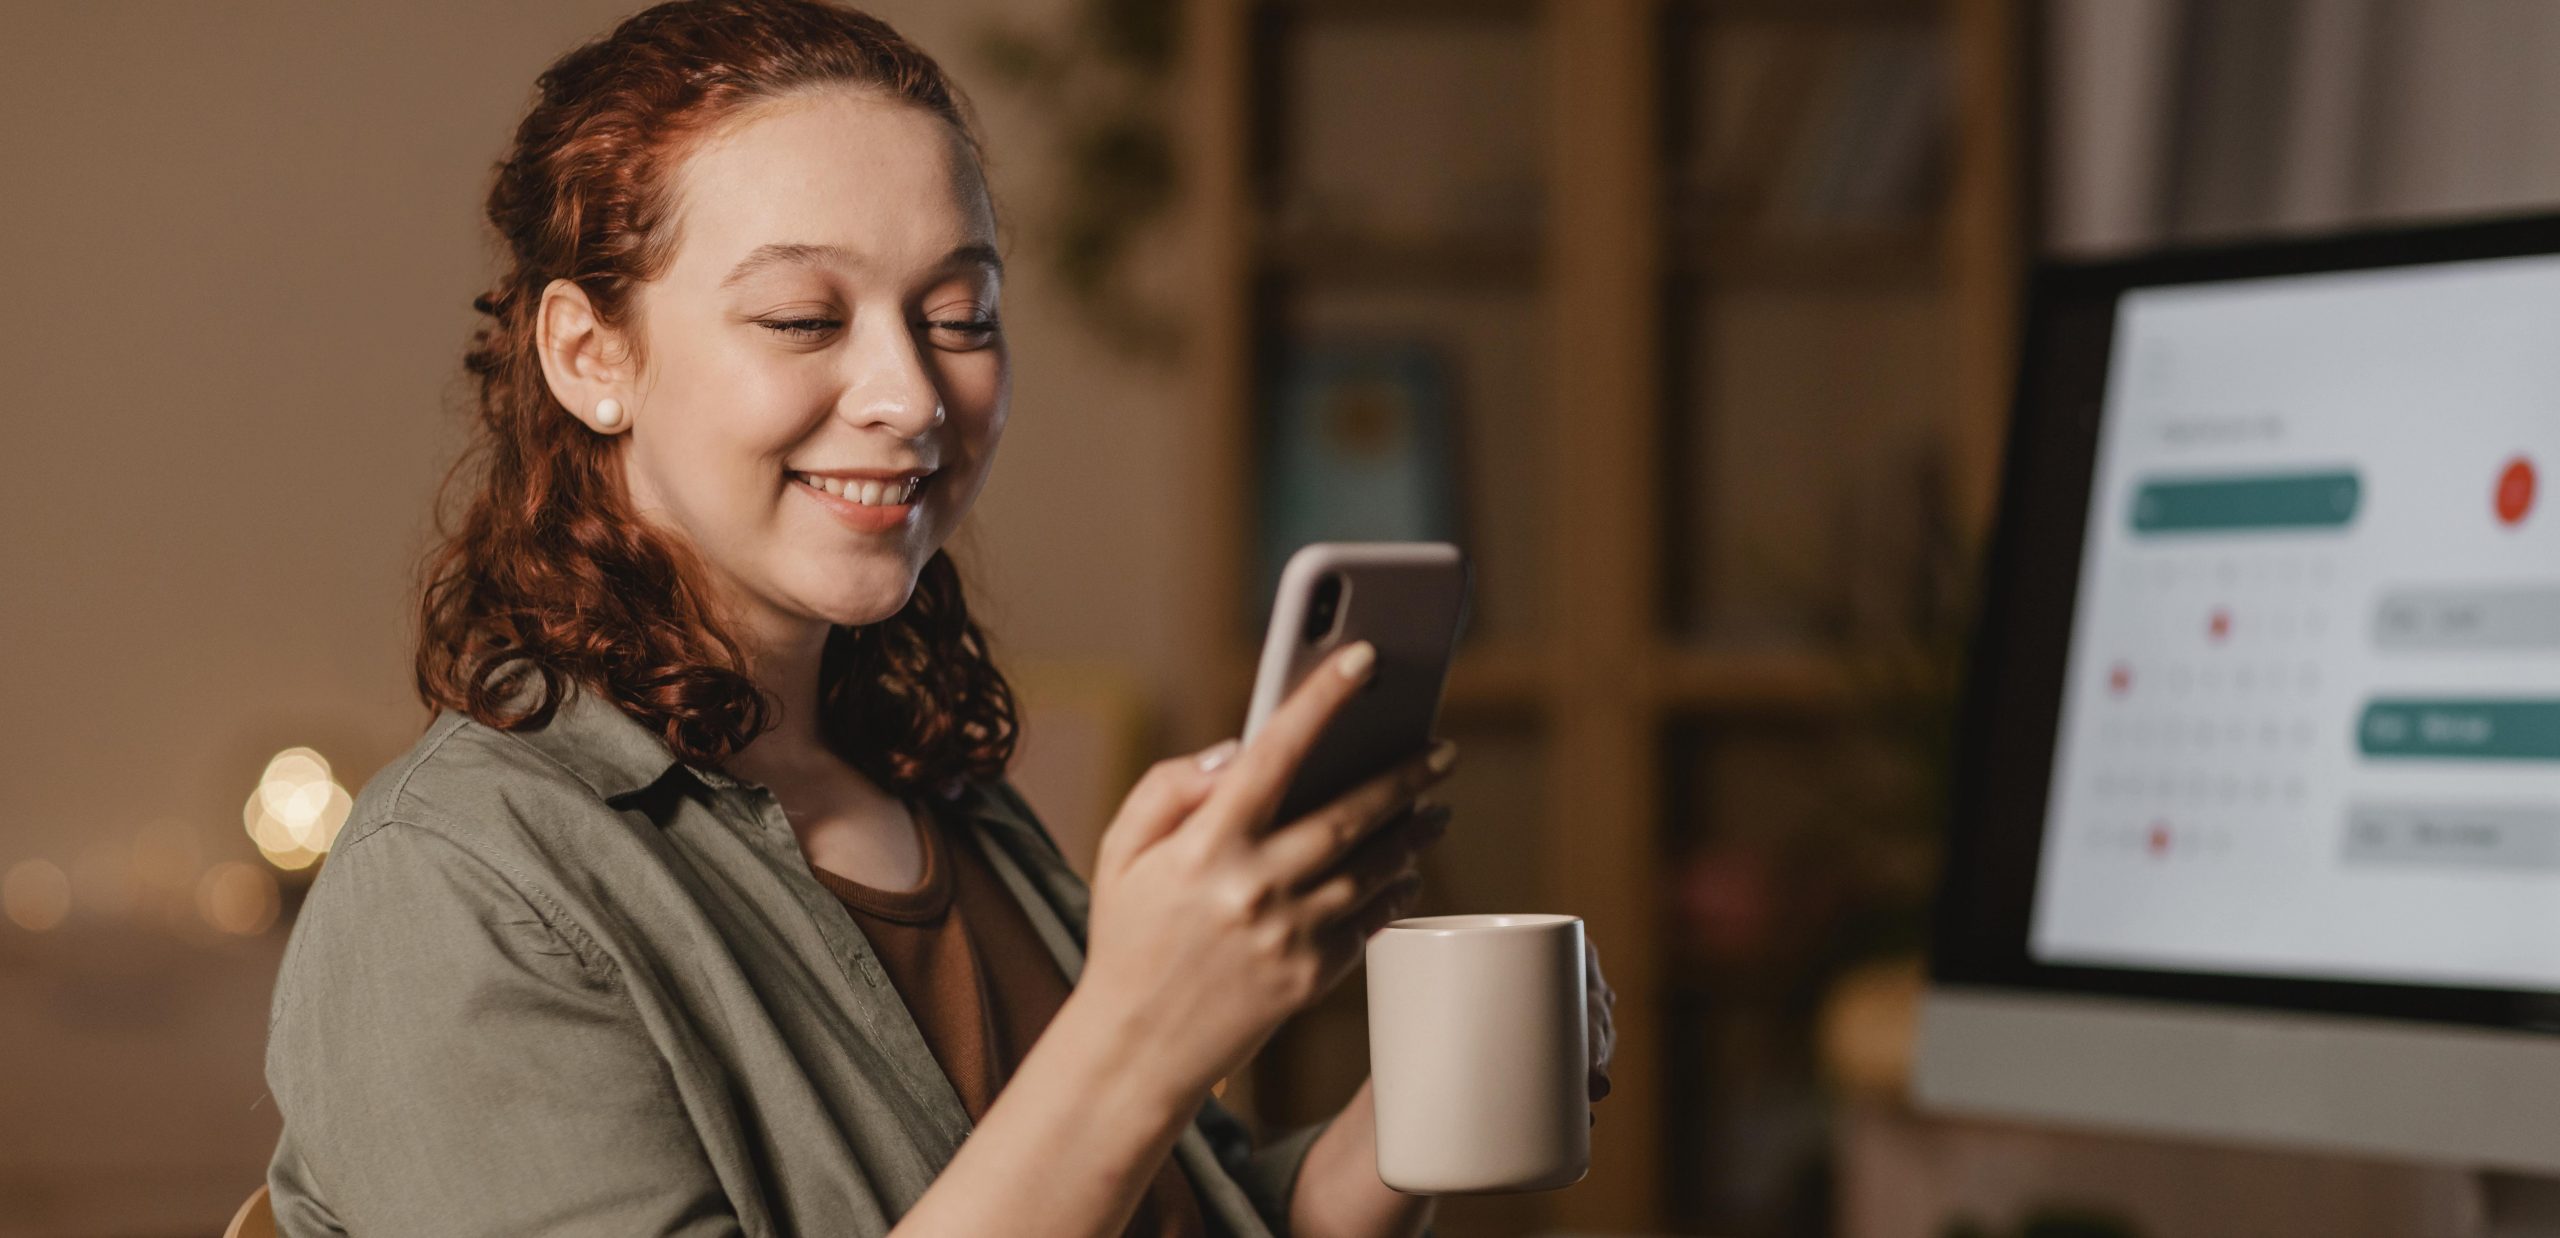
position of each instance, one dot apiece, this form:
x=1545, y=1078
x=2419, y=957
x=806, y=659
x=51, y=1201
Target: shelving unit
x=1597, y=666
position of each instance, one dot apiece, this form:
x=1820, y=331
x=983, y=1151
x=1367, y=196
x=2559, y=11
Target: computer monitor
x=2257, y=810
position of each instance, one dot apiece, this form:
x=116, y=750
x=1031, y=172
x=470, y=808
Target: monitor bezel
x=2013, y=685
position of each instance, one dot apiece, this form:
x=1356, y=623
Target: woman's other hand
x=1210, y=926
x=1599, y=1003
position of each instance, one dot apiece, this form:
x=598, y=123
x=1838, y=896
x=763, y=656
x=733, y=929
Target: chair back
x=256, y=1218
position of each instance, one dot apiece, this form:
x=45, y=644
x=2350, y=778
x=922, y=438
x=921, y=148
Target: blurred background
x=1691, y=319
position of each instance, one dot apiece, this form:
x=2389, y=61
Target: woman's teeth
x=867, y=493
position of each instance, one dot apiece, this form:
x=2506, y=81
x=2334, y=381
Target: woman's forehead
x=885, y=183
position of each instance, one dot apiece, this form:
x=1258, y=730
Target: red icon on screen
x=2159, y=838
x=2120, y=680
x=2515, y=491
x=2219, y=626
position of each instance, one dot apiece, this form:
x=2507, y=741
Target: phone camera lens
x=1321, y=605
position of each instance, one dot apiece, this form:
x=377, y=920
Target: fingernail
x=1443, y=754
x=1356, y=659
x=1217, y=756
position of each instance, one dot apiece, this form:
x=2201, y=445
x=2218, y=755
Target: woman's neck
x=783, y=661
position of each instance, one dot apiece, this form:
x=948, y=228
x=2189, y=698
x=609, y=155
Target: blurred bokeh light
x=297, y=809
x=36, y=894
x=238, y=898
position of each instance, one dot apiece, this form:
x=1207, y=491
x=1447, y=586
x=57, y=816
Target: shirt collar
x=606, y=748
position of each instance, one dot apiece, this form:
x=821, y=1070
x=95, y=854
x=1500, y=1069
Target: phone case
x=1410, y=599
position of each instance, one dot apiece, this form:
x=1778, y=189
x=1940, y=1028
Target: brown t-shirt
x=981, y=986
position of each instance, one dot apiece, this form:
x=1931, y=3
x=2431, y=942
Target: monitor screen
x=2266, y=704
x=2310, y=722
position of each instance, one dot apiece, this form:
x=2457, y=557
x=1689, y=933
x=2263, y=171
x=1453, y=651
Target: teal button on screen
x=2511, y=730
x=2245, y=504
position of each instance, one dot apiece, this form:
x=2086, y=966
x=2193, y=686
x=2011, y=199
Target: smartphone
x=1410, y=600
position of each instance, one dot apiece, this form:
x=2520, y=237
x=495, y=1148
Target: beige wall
x=240, y=241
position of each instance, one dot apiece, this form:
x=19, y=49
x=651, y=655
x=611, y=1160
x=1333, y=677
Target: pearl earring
x=608, y=412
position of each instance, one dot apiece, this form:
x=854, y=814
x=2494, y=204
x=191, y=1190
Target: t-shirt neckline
x=932, y=893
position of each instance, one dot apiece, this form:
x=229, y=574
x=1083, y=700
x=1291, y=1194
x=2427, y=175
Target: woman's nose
x=891, y=384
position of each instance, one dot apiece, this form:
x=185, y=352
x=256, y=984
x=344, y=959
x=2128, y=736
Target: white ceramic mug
x=1479, y=1056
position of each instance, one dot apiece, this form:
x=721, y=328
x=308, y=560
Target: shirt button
x=870, y=969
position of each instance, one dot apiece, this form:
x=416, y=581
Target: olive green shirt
x=561, y=982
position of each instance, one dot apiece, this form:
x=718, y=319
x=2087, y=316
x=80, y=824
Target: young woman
x=703, y=905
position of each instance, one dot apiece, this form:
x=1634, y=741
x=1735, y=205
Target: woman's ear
x=581, y=357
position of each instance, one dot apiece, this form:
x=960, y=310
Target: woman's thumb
x=1217, y=754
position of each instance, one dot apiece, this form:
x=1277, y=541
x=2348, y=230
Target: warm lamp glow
x=36, y=895
x=237, y=897
x=292, y=859
x=297, y=810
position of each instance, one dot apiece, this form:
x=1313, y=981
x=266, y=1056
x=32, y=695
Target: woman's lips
x=863, y=518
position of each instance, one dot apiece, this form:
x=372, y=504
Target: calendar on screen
x=2311, y=715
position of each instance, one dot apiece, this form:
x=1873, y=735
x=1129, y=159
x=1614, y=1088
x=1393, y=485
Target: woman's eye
x=799, y=328
x=971, y=332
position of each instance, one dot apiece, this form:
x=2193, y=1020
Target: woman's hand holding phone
x=1208, y=928
x=1211, y=925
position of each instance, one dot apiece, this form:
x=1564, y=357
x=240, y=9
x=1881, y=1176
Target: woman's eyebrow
x=975, y=253
x=778, y=253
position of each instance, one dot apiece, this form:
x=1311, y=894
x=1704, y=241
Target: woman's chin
x=855, y=609
x=846, y=589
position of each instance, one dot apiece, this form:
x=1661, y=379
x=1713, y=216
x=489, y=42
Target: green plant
x=1102, y=81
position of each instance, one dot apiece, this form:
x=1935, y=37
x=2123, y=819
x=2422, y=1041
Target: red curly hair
x=549, y=571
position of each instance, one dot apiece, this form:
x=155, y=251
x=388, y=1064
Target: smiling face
x=829, y=308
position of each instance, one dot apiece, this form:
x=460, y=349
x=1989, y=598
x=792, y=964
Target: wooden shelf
x=1362, y=261
x=1771, y=681
x=1405, y=10
x=1809, y=10
x=1497, y=680
x=1614, y=233
x=1911, y=255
